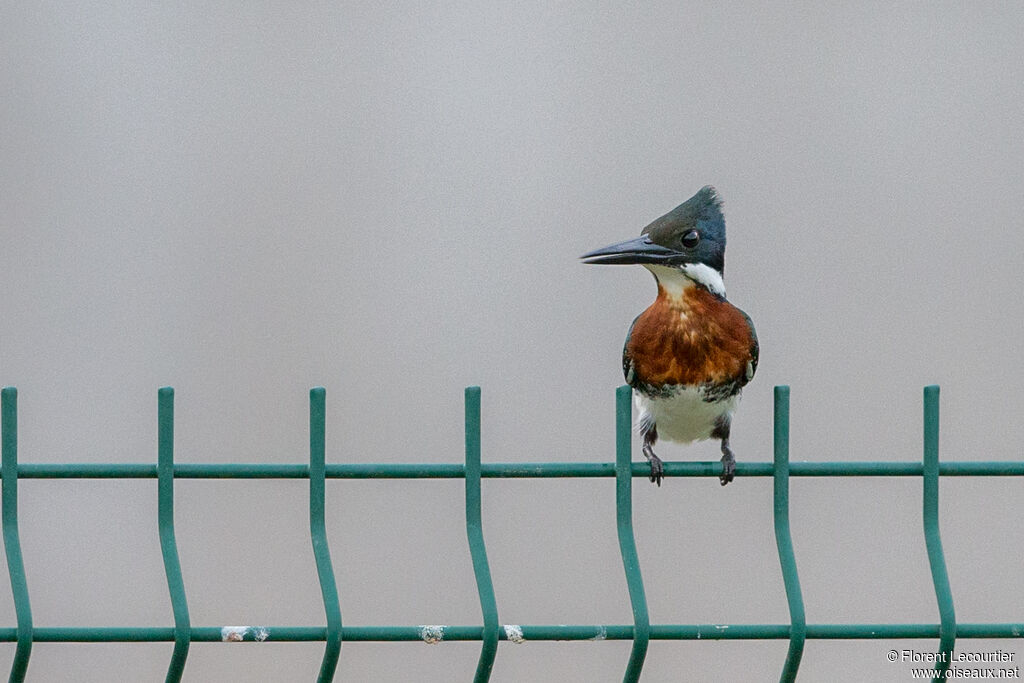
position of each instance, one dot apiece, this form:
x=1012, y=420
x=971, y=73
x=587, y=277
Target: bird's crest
x=702, y=211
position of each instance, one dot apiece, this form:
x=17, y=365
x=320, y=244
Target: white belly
x=683, y=416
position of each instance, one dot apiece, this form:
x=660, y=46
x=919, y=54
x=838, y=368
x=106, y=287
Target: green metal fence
x=640, y=632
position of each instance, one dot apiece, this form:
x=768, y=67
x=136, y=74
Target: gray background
x=250, y=199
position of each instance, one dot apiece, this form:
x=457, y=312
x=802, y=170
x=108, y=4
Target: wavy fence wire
x=491, y=631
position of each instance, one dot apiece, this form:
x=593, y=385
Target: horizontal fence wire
x=540, y=470
x=623, y=470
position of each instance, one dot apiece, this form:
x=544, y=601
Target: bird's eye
x=691, y=239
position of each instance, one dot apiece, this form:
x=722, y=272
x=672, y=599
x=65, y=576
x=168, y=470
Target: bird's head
x=689, y=240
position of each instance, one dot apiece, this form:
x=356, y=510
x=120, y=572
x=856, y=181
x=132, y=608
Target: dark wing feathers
x=755, y=349
x=627, y=363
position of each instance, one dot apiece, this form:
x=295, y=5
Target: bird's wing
x=628, y=370
x=755, y=351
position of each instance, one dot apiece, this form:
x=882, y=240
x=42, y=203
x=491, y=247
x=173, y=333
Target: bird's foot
x=657, y=469
x=728, y=466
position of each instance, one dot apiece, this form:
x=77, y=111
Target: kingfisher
x=689, y=355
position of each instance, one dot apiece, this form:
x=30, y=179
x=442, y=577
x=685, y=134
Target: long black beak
x=639, y=250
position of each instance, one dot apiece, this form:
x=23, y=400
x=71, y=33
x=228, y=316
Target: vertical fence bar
x=318, y=531
x=784, y=540
x=12, y=542
x=933, y=541
x=168, y=545
x=627, y=542
x=475, y=535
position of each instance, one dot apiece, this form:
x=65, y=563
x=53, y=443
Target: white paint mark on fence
x=237, y=634
x=432, y=634
x=233, y=634
x=514, y=632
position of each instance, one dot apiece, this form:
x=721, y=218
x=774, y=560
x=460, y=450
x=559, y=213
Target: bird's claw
x=728, y=468
x=657, y=469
